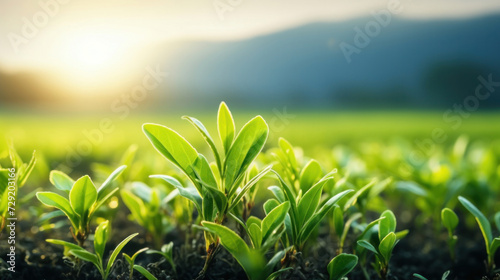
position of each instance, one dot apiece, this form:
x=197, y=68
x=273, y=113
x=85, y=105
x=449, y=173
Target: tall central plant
x=218, y=186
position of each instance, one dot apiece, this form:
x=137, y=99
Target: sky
x=82, y=38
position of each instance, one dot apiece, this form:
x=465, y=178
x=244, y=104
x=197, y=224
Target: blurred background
x=320, y=72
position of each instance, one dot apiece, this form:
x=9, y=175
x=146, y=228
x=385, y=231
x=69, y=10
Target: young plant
x=100, y=239
x=131, y=260
x=306, y=211
x=263, y=235
x=11, y=179
x=450, y=221
x=341, y=265
x=82, y=202
x=167, y=251
x=219, y=185
x=444, y=277
x=383, y=247
x=491, y=243
x=147, y=206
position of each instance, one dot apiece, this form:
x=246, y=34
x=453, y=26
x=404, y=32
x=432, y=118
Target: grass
x=58, y=134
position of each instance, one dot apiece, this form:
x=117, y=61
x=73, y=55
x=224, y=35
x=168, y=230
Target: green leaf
x=341, y=265
x=82, y=196
x=206, y=135
x=365, y=244
x=61, y=181
x=48, y=216
x=86, y=256
x=117, y=250
x=483, y=223
x=100, y=239
x=144, y=272
x=274, y=220
x=203, y=173
x=353, y=199
x=497, y=220
x=287, y=150
x=255, y=234
x=449, y=219
x=104, y=188
x=314, y=221
x=386, y=245
x=244, y=150
x=270, y=204
x=416, y=275
x=338, y=220
x=27, y=171
x=209, y=211
x=189, y=192
x=495, y=243
x=386, y=225
x=310, y=201
x=135, y=205
x=311, y=173
x=411, y=187
x=65, y=244
x=278, y=193
x=54, y=200
x=251, y=262
x=225, y=126
x=173, y=147
x=247, y=187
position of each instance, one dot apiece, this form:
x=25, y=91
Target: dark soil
x=36, y=259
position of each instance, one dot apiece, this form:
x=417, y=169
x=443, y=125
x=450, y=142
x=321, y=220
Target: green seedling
x=131, y=260
x=148, y=208
x=11, y=179
x=383, y=247
x=491, y=243
x=306, y=211
x=341, y=265
x=444, y=277
x=450, y=221
x=263, y=235
x=167, y=251
x=341, y=227
x=100, y=239
x=219, y=185
x=82, y=202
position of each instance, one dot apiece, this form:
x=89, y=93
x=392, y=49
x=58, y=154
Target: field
x=372, y=199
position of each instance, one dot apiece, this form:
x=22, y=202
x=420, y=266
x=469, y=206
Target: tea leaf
x=341, y=265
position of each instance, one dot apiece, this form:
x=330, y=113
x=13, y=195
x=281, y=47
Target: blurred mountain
x=402, y=65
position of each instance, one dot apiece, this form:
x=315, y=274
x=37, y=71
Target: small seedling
x=450, y=221
x=491, y=243
x=218, y=186
x=100, y=239
x=167, y=251
x=444, y=277
x=306, y=212
x=341, y=265
x=387, y=240
x=131, y=260
x=147, y=207
x=263, y=235
x=84, y=199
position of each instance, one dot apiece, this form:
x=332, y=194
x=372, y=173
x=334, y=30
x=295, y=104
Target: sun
x=92, y=62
